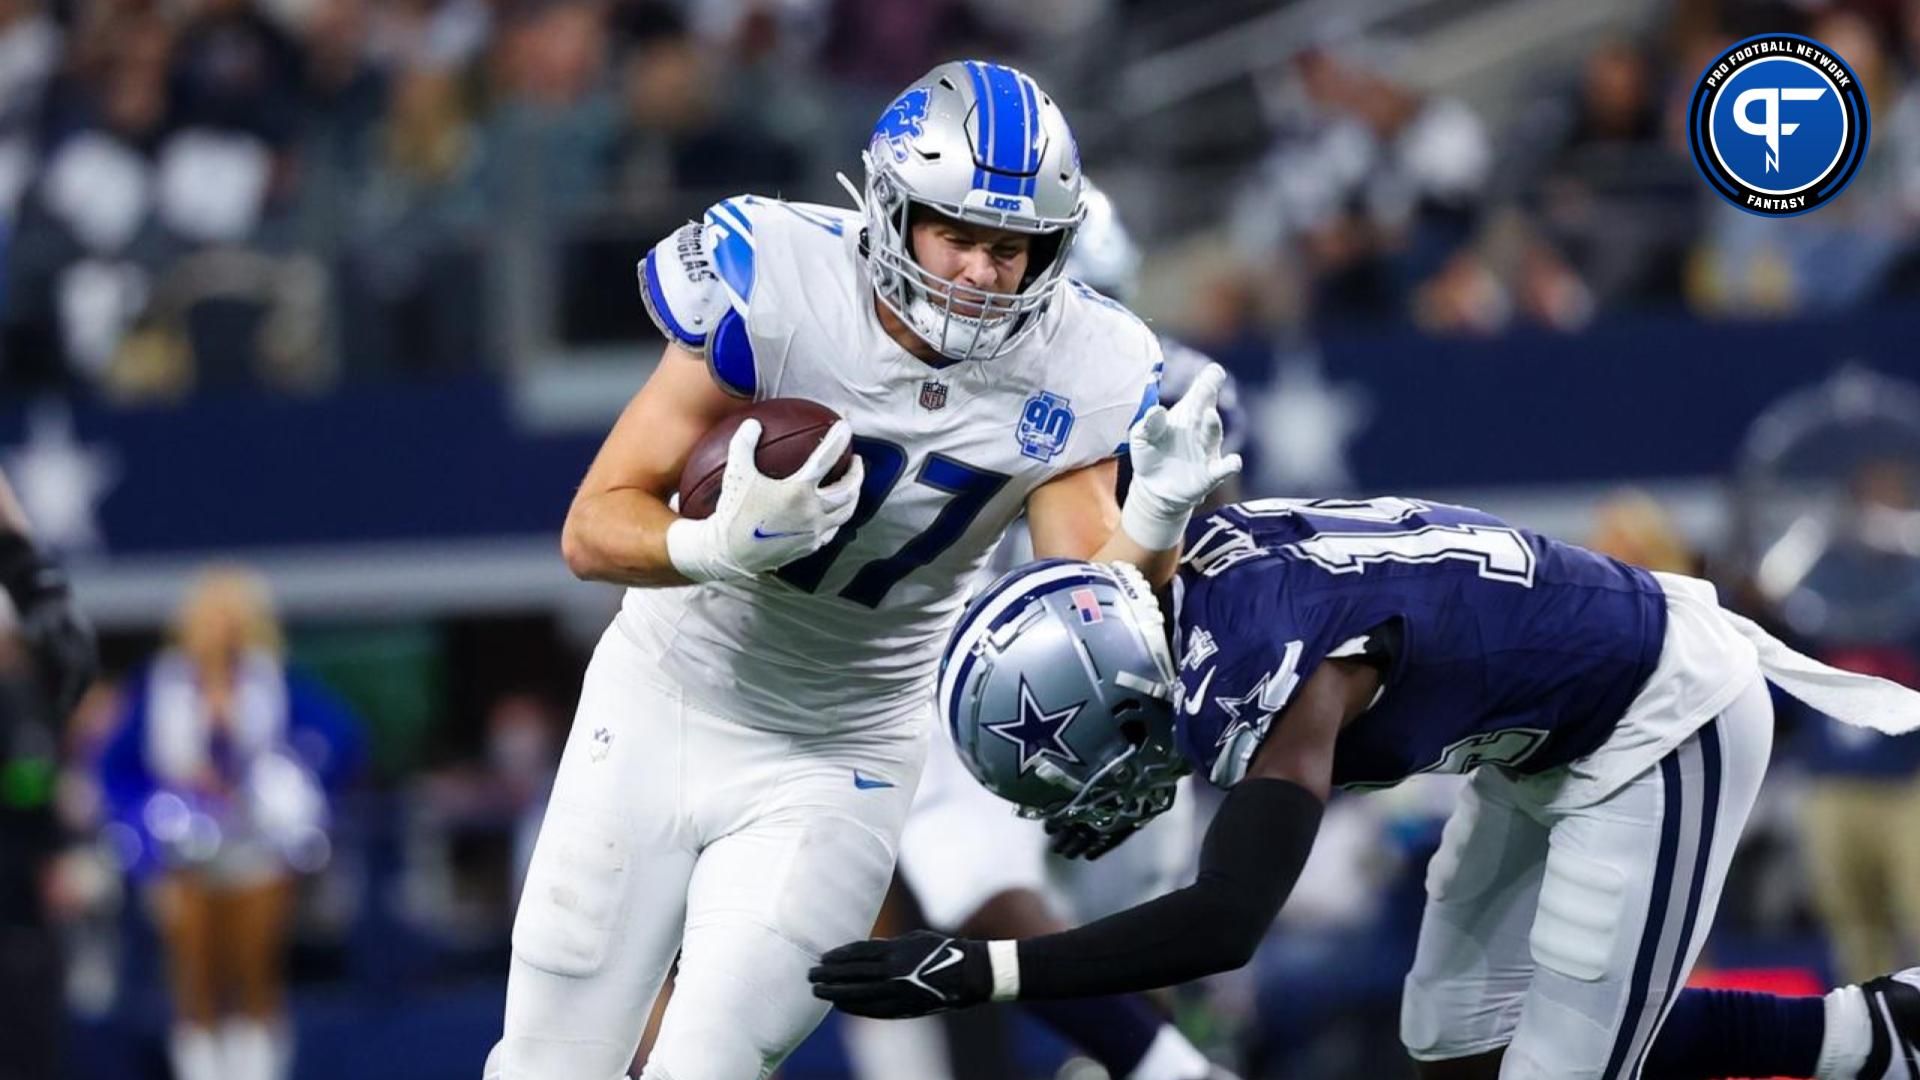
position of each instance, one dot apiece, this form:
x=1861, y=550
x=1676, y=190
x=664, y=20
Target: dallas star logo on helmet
x=1778, y=124
x=1037, y=732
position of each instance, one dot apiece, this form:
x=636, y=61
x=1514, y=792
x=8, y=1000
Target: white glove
x=1176, y=464
x=760, y=523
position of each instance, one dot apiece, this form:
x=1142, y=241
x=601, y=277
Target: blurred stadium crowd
x=290, y=192
x=202, y=199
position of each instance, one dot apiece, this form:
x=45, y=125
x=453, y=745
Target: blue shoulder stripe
x=732, y=248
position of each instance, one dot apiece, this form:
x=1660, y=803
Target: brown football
x=789, y=430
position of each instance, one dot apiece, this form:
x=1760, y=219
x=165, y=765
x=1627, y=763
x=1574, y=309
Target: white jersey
x=776, y=295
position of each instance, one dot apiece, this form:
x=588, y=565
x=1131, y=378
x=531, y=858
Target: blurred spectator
x=87, y=239
x=30, y=44
x=46, y=658
x=1861, y=813
x=345, y=97
x=440, y=34
x=1862, y=806
x=719, y=120
x=218, y=780
x=1373, y=187
x=1633, y=527
x=237, y=70
x=509, y=786
x=551, y=128
x=1613, y=197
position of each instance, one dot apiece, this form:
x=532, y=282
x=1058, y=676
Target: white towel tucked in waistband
x=1866, y=701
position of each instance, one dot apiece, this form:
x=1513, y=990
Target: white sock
x=1849, y=1035
x=248, y=1048
x=1171, y=1057
x=880, y=1049
x=195, y=1053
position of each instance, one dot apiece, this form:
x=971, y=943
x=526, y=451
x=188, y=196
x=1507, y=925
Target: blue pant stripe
x=1671, y=811
x=1709, y=737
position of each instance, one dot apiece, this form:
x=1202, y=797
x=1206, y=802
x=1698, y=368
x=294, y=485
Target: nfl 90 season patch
x=1778, y=124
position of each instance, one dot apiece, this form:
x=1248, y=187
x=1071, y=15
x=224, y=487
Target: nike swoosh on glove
x=920, y=973
x=1176, y=463
x=761, y=523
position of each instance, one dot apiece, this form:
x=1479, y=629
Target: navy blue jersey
x=1499, y=646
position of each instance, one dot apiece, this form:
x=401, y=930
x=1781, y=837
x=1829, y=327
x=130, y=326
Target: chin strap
x=859, y=200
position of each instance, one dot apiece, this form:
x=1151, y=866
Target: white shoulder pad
x=681, y=288
x=697, y=284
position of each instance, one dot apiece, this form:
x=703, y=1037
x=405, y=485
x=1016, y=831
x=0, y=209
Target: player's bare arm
x=1074, y=515
x=616, y=529
x=1251, y=856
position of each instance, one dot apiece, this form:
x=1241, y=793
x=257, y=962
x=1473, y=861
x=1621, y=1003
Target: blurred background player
x=1829, y=481
x=46, y=662
x=976, y=869
x=223, y=764
x=760, y=701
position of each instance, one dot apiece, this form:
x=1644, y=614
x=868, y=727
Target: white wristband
x=690, y=550
x=1150, y=524
x=1004, y=957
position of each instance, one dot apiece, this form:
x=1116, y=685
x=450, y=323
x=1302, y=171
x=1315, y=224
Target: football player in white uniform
x=751, y=728
x=978, y=870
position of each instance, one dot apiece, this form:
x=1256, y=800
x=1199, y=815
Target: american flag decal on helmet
x=1087, y=604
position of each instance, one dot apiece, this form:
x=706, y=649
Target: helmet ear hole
x=1132, y=727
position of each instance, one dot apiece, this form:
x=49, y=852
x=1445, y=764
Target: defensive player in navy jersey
x=1616, y=724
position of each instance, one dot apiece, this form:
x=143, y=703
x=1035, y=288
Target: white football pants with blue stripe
x=675, y=830
x=1563, y=933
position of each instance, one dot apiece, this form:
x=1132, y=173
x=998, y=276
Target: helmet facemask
x=1134, y=787
x=932, y=306
x=1137, y=784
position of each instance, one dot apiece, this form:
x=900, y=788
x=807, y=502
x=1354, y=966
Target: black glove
x=61, y=639
x=1081, y=842
x=892, y=978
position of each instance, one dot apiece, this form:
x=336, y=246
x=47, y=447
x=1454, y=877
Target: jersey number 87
x=971, y=489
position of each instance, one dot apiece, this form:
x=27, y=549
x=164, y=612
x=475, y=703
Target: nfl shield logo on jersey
x=933, y=394
x=1045, y=423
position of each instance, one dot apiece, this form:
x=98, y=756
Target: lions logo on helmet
x=981, y=143
x=900, y=124
x=1077, y=743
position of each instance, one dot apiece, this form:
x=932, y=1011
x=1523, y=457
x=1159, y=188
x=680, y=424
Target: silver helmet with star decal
x=1057, y=685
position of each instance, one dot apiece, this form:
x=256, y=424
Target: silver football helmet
x=1058, y=687
x=1104, y=254
x=982, y=143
